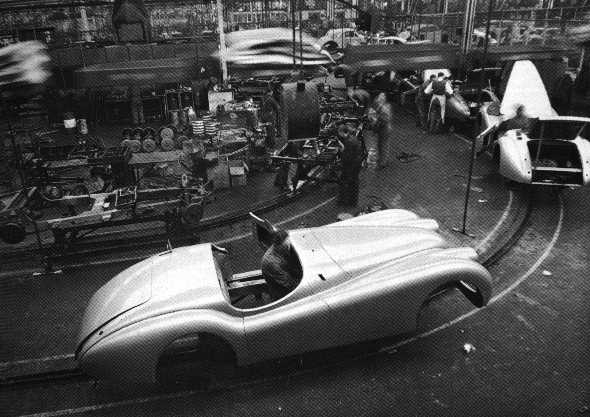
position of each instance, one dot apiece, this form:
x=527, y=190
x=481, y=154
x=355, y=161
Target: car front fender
x=584, y=151
x=515, y=161
x=131, y=354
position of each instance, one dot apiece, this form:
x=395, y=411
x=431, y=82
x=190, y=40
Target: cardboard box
x=238, y=172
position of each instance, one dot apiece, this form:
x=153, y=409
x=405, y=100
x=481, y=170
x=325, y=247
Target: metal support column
x=293, y=5
x=84, y=27
x=301, y=35
x=222, y=47
x=474, y=140
x=468, y=24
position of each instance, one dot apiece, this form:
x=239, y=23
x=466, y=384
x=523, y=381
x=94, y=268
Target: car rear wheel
x=12, y=233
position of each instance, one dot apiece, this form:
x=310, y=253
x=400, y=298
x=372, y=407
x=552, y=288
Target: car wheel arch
x=468, y=286
x=194, y=340
x=329, y=45
x=212, y=353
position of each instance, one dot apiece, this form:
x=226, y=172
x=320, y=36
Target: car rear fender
x=469, y=277
x=131, y=354
x=388, y=301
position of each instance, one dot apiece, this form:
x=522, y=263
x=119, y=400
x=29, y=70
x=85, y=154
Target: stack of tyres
x=149, y=143
x=198, y=127
x=167, y=134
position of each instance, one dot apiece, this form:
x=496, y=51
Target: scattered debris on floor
x=408, y=157
x=468, y=348
x=474, y=188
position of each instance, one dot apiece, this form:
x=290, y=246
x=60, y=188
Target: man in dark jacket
x=269, y=112
x=280, y=267
x=352, y=159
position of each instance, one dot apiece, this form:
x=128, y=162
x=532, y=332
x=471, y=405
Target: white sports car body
x=359, y=279
x=555, y=150
x=268, y=51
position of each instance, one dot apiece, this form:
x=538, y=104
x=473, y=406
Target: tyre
x=148, y=145
x=134, y=146
x=52, y=192
x=167, y=132
x=12, y=233
x=192, y=214
x=167, y=144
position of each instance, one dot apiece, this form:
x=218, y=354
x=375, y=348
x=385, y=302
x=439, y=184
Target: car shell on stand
x=187, y=301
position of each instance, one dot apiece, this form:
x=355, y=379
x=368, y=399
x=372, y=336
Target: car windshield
x=560, y=129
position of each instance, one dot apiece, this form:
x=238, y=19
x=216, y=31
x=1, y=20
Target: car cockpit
x=250, y=289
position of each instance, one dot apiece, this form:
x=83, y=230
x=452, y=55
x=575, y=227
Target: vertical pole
x=468, y=24
x=301, y=35
x=473, y=143
x=294, y=34
x=84, y=27
x=222, y=47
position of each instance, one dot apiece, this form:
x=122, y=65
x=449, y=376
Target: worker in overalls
x=351, y=159
x=136, y=106
x=380, y=121
x=269, y=112
x=439, y=89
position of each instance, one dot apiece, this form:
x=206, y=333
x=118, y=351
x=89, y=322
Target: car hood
x=127, y=290
x=525, y=87
x=182, y=278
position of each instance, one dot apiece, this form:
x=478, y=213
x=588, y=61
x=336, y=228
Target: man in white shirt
x=439, y=89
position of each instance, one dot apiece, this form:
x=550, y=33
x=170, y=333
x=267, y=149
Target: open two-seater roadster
x=359, y=279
